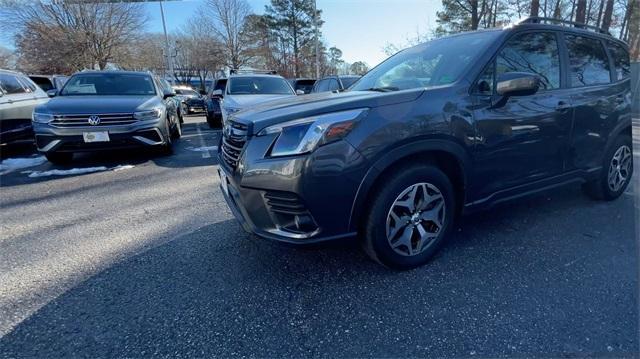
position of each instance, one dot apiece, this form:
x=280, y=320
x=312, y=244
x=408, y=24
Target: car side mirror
x=517, y=84
x=203, y=93
x=299, y=92
x=166, y=94
x=52, y=93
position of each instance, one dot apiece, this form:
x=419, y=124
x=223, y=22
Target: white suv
x=18, y=96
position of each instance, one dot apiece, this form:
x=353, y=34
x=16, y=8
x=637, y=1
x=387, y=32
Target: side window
x=536, y=53
x=321, y=86
x=486, y=81
x=333, y=85
x=588, y=62
x=620, y=60
x=30, y=86
x=11, y=85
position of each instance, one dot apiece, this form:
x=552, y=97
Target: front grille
x=112, y=119
x=234, y=137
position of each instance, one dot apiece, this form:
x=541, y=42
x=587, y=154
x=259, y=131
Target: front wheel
x=410, y=217
x=615, y=176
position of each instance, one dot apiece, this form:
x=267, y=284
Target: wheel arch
x=447, y=154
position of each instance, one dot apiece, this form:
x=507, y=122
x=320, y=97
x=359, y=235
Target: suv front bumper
x=298, y=200
x=70, y=139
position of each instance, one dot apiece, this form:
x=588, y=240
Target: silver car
x=18, y=97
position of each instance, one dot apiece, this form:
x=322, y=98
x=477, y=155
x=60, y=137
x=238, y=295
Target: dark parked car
x=104, y=110
x=193, y=100
x=18, y=97
x=212, y=103
x=438, y=130
x=49, y=82
x=334, y=83
x=304, y=85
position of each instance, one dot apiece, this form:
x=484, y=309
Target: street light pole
x=166, y=45
x=315, y=21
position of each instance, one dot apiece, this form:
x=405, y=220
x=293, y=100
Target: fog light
x=304, y=223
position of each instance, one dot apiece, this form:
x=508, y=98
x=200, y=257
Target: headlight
x=304, y=135
x=153, y=114
x=231, y=110
x=42, y=117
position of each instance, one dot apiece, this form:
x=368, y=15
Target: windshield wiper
x=383, y=89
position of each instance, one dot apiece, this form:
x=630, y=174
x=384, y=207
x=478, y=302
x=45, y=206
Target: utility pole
x=315, y=23
x=166, y=46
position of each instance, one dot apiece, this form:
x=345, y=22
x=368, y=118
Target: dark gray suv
x=438, y=130
x=103, y=110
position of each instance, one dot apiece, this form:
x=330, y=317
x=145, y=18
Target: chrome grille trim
x=233, y=143
x=81, y=120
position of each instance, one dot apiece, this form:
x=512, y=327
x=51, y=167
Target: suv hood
x=295, y=107
x=98, y=104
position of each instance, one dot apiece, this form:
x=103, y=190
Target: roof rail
x=265, y=72
x=550, y=20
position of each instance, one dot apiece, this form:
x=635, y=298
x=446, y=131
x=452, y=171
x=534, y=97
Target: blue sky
x=360, y=28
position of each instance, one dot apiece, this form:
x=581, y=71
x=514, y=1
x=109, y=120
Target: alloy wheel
x=415, y=219
x=620, y=168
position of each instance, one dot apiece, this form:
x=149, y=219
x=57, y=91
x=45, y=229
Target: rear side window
x=536, y=53
x=620, y=60
x=333, y=85
x=321, y=86
x=588, y=62
x=27, y=84
x=10, y=85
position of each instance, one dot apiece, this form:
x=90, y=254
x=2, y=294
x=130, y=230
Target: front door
x=522, y=139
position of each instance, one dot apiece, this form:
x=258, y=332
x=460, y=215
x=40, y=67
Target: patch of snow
x=12, y=164
x=203, y=148
x=122, y=167
x=77, y=171
x=69, y=172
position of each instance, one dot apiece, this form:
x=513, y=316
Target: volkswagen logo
x=94, y=120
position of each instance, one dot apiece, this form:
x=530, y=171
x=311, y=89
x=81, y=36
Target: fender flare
x=394, y=155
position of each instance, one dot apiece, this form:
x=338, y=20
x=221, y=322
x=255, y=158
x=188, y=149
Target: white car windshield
x=259, y=86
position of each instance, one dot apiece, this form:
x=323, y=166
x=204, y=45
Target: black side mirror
x=52, y=93
x=517, y=84
x=166, y=94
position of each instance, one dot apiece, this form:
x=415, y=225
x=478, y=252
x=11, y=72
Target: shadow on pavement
x=537, y=276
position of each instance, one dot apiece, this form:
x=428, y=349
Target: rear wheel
x=59, y=158
x=616, y=173
x=213, y=121
x=167, y=147
x=410, y=217
x=177, y=130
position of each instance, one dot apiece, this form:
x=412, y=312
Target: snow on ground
x=76, y=171
x=203, y=148
x=12, y=164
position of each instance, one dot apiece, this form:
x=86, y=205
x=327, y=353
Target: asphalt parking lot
x=142, y=257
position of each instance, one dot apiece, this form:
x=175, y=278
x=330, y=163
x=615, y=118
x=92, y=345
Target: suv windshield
x=109, y=85
x=438, y=62
x=259, y=86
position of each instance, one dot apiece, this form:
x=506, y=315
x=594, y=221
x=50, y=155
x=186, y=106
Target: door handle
x=562, y=106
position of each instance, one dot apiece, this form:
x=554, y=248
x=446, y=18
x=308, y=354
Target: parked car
x=212, y=103
x=18, y=96
x=304, y=85
x=104, y=110
x=181, y=106
x=193, y=100
x=436, y=131
x=245, y=91
x=49, y=82
x=334, y=83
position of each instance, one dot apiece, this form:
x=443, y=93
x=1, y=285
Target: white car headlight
x=305, y=135
x=41, y=117
x=231, y=110
x=152, y=114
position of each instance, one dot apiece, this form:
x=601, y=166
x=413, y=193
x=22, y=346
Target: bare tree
x=228, y=20
x=535, y=7
x=581, y=11
x=6, y=58
x=634, y=30
x=608, y=13
x=92, y=32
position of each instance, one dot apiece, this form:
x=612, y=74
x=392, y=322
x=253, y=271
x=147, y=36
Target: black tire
x=167, y=147
x=375, y=240
x=599, y=188
x=177, y=130
x=213, y=121
x=59, y=158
